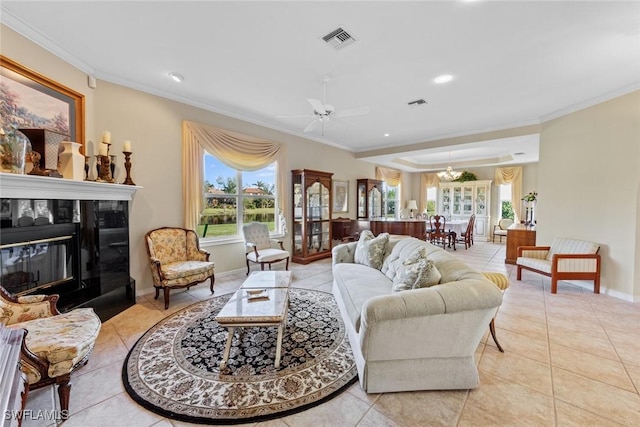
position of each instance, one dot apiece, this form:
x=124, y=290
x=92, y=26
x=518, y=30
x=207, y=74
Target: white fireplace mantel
x=14, y=186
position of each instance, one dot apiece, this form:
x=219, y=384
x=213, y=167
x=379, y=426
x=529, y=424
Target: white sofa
x=420, y=339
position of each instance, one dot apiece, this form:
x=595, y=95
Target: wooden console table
x=518, y=235
x=406, y=227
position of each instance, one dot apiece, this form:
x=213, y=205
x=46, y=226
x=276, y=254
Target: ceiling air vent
x=338, y=39
x=417, y=102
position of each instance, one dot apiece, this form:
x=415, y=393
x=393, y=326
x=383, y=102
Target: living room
x=587, y=176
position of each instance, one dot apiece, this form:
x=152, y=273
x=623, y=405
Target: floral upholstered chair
x=55, y=344
x=260, y=248
x=176, y=260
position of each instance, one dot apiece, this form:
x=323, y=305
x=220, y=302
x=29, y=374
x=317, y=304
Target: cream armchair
x=259, y=247
x=55, y=344
x=500, y=229
x=176, y=260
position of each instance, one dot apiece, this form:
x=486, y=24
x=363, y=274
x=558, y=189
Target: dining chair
x=438, y=234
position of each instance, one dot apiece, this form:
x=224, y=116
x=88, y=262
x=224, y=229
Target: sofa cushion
x=537, y=264
x=371, y=250
x=563, y=245
x=416, y=272
x=359, y=283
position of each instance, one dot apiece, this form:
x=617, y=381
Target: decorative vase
x=13, y=148
x=71, y=161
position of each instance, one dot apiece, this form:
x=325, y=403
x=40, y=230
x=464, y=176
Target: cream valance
x=238, y=151
x=392, y=177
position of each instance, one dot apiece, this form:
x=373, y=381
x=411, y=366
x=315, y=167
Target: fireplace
x=77, y=248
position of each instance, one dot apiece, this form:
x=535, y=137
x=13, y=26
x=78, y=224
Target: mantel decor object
x=71, y=161
x=13, y=146
x=46, y=143
x=127, y=167
x=104, y=162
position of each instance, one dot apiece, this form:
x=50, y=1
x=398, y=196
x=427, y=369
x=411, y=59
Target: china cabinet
x=369, y=198
x=311, y=215
x=460, y=200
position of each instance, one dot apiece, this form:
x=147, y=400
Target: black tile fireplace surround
x=79, y=250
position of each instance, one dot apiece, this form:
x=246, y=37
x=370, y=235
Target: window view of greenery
x=389, y=200
x=505, y=201
x=432, y=193
x=233, y=198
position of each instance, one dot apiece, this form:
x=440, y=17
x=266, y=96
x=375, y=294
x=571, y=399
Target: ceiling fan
x=323, y=112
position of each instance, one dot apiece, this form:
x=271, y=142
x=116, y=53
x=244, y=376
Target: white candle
x=103, y=149
x=106, y=137
x=127, y=147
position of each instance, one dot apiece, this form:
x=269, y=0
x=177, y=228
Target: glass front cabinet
x=460, y=200
x=369, y=198
x=311, y=215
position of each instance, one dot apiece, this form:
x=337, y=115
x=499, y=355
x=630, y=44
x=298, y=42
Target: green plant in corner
x=530, y=197
x=466, y=176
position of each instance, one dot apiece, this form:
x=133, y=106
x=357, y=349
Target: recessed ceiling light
x=386, y=134
x=445, y=78
x=519, y=153
x=176, y=77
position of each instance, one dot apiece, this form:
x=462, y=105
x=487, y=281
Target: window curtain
x=391, y=176
x=238, y=151
x=512, y=176
x=427, y=180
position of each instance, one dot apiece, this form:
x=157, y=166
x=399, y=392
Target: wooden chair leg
x=166, y=298
x=492, y=328
x=262, y=266
x=519, y=273
x=247, y=266
x=287, y=266
x=554, y=285
x=212, y=280
x=64, y=390
x=157, y=293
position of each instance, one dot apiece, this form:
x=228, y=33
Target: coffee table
x=262, y=300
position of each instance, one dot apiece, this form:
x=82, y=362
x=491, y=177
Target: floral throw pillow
x=370, y=250
x=417, y=271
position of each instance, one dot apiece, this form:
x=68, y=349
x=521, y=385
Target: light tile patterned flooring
x=572, y=359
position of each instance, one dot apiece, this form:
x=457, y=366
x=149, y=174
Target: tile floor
x=572, y=359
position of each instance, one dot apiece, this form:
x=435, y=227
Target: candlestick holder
x=113, y=165
x=127, y=167
x=105, y=169
x=87, y=160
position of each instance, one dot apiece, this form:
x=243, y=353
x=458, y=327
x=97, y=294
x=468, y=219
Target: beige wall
x=588, y=181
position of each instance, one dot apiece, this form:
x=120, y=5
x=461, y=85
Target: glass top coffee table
x=262, y=300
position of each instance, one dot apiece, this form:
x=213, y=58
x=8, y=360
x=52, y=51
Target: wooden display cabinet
x=312, y=203
x=369, y=198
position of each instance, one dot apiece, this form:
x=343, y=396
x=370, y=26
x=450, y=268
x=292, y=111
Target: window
x=233, y=198
x=432, y=196
x=390, y=200
x=505, y=202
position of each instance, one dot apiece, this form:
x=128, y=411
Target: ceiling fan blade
x=352, y=112
x=317, y=105
x=292, y=116
x=311, y=126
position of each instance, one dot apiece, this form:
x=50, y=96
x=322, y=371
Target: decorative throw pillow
x=370, y=250
x=417, y=271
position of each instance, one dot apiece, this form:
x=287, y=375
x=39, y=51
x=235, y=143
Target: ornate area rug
x=173, y=370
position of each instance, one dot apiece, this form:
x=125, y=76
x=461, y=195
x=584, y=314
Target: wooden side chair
x=500, y=229
x=176, y=260
x=55, y=344
x=438, y=234
x=467, y=236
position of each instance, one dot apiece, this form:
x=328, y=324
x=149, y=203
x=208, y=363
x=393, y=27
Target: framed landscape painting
x=340, y=196
x=31, y=100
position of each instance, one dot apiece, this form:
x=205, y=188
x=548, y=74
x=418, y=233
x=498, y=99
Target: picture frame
x=340, y=196
x=37, y=101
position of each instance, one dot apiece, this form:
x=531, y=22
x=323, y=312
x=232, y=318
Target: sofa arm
x=537, y=252
x=575, y=263
x=343, y=253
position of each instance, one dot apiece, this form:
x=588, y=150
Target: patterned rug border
x=221, y=421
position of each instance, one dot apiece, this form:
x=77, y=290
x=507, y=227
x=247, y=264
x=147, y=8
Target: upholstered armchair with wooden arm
x=55, y=344
x=260, y=248
x=176, y=260
x=565, y=259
